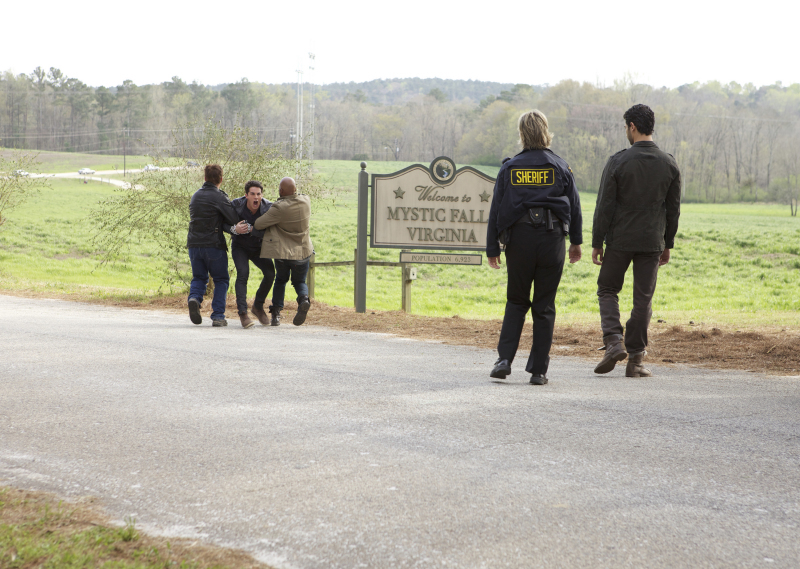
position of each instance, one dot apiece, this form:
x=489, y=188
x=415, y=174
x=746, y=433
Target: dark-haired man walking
x=638, y=206
x=210, y=215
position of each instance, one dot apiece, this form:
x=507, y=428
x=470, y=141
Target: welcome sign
x=436, y=207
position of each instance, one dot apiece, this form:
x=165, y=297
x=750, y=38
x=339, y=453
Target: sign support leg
x=361, y=242
x=406, y=303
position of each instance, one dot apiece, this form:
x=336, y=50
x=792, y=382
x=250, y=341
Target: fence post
x=360, y=288
x=311, y=276
x=406, y=298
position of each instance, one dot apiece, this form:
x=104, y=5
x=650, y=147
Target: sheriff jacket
x=533, y=178
x=287, y=229
x=639, y=200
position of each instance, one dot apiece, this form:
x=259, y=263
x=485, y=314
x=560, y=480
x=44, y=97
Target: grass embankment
x=38, y=530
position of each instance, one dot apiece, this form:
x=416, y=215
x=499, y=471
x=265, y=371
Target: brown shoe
x=614, y=353
x=246, y=322
x=635, y=367
x=258, y=312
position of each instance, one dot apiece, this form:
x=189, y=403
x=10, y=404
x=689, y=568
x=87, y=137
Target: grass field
x=57, y=162
x=733, y=263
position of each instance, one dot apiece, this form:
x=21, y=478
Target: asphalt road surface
x=311, y=447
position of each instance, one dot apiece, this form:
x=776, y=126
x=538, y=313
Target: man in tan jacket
x=287, y=241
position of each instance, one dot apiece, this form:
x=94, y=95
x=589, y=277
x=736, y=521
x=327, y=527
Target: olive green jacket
x=286, y=224
x=639, y=200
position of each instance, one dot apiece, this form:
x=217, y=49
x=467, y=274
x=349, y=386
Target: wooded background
x=733, y=142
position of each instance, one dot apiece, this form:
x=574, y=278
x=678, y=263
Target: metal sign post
x=361, y=241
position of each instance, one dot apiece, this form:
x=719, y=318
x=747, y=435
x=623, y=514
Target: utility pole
x=311, y=106
x=299, y=129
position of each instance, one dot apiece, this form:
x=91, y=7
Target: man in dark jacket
x=246, y=248
x=537, y=203
x=638, y=206
x=210, y=213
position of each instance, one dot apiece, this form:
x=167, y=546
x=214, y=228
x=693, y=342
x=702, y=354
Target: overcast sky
x=660, y=43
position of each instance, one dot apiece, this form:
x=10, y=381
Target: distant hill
x=393, y=91
x=398, y=91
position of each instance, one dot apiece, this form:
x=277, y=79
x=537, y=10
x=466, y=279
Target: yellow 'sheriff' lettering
x=537, y=177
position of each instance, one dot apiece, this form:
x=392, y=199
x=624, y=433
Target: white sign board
x=436, y=207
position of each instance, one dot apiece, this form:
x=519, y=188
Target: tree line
x=733, y=142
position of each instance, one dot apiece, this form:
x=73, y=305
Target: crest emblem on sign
x=442, y=169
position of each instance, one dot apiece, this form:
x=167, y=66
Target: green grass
x=58, y=162
x=733, y=263
x=40, y=533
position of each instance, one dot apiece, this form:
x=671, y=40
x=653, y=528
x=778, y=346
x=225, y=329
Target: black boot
x=303, y=304
x=276, y=316
x=501, y=369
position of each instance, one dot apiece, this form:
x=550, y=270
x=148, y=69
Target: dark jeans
x=285, y=269
x=535, y=257
x=609, y=283
x=242, y=258
x=210, y=261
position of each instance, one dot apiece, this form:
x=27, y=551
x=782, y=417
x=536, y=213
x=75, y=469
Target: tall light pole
x=299, y=130
x=311, y=105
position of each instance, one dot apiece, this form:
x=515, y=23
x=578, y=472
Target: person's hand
x=574, y=253
x=494, y=262
x=242, y=227
x=664, y=258
x=597, y=256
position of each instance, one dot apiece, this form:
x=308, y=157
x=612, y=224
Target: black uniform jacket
x=209, y=208
x=639, y=200
x=253, y=239
x=533, y=178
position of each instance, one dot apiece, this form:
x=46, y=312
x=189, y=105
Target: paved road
x=317, y=448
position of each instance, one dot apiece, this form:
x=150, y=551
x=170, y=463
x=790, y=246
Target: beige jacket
x=286, y=224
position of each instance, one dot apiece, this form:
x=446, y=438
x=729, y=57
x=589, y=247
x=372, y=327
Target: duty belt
x=538, y=216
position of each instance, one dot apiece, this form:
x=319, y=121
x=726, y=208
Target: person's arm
x=576, y=218
x=606, y=205
x=673, y=204
x=272, y=217
x=492, y=246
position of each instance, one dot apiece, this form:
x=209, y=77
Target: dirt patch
x=770, y=350
x=41, y=519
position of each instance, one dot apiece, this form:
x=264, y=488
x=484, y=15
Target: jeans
x=284, y=269
x=535, y=257
x=242, y=258
x=210, y=261
x=609, y=283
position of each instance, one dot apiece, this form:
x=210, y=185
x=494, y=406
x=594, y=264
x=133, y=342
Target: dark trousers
x=242, y=258
x=609, y=283
x=535, y=257
x=286, y=269
x=210, y=261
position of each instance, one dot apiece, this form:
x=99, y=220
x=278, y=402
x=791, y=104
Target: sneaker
x=220, y=322
x=194, y=311
x=303, y=305
x=258, y=312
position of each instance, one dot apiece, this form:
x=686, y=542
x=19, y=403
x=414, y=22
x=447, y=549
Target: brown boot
x=258, y=312
x=614, y=353
x=635, y=366
x=246, y=322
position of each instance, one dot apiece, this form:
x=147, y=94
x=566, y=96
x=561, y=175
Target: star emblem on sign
x=398, y=193
x=484, y=196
